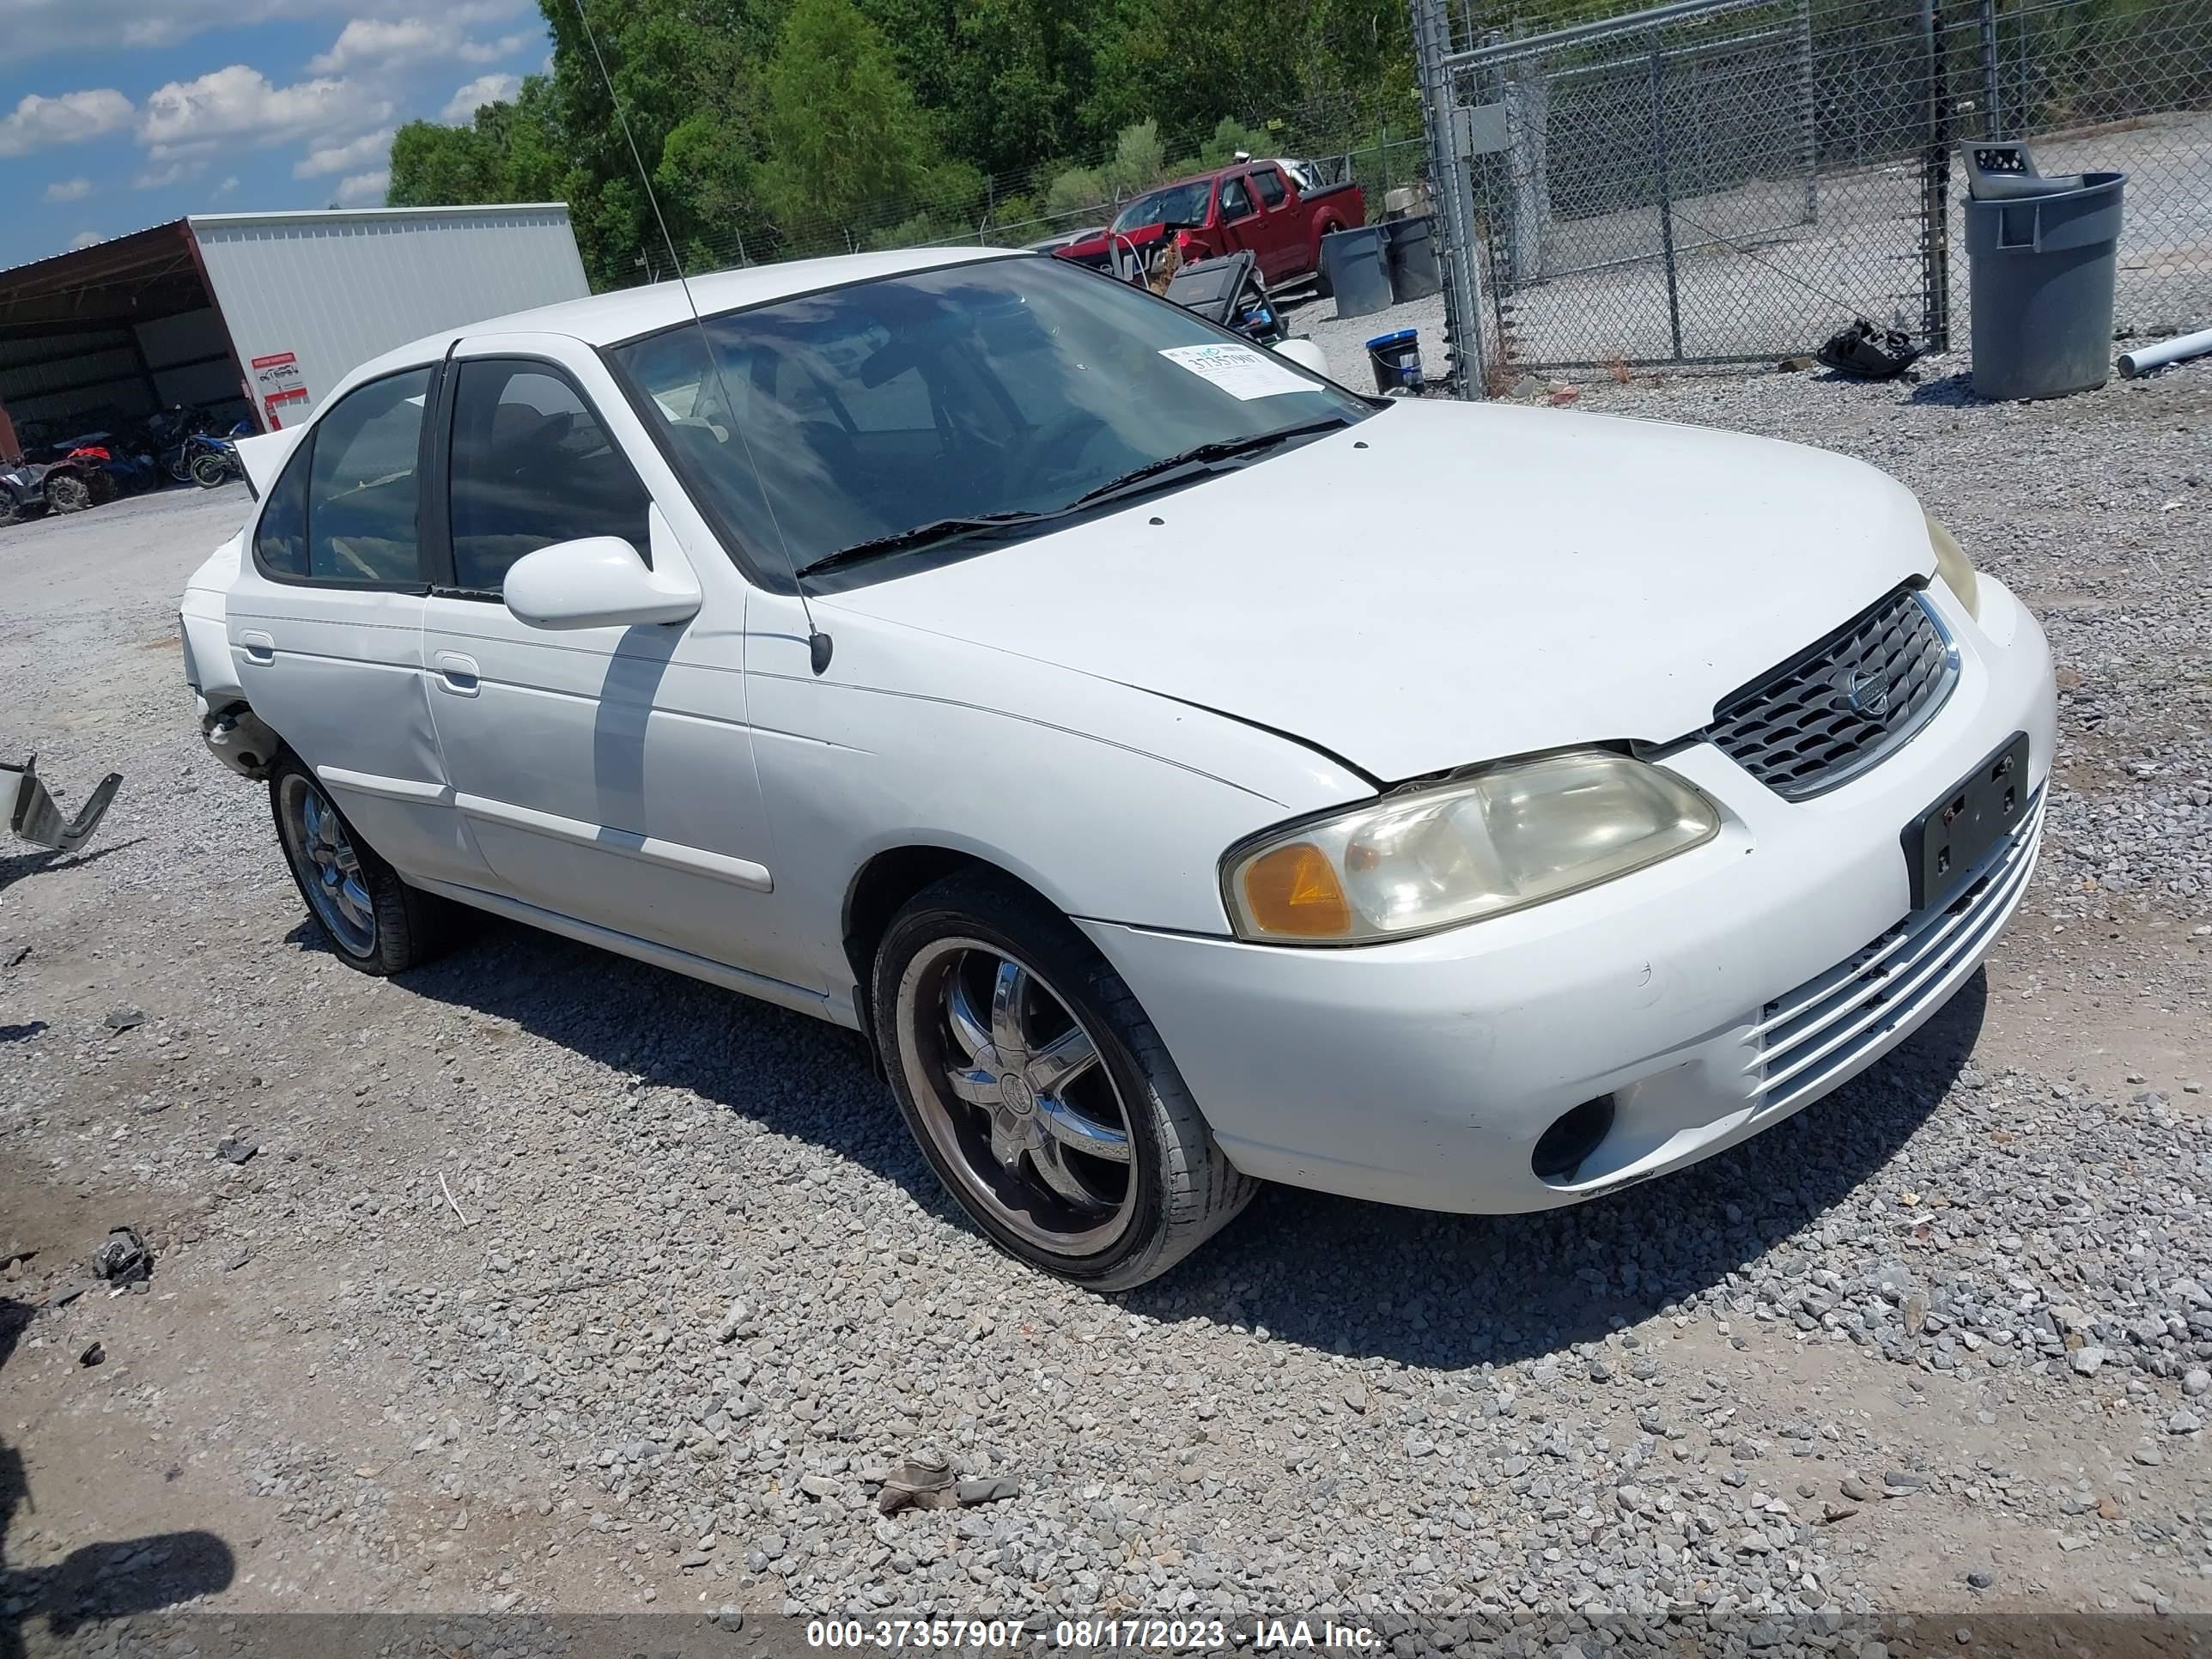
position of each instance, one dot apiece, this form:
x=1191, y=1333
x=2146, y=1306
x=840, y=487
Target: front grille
x=1810, y=1039
x=1825, y=716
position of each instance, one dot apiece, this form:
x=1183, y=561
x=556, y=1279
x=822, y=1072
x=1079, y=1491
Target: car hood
x=1451, y=583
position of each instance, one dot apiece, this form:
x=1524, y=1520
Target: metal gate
x=1694, y=183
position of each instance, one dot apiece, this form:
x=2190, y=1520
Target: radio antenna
x=818, y=644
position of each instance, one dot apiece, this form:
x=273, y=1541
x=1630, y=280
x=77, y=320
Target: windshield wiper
x=941, y=529
x=1222, y=449
x=922, y=535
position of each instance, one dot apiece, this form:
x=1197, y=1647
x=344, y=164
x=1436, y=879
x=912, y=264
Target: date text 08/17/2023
x=1160, y=1635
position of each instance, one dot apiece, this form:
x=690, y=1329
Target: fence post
x=1936, y=186
x=1992, y=118
x=1466, y=370
x=1665, y=198
x=1808, y=116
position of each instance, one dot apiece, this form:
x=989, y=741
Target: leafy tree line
x=773, y=127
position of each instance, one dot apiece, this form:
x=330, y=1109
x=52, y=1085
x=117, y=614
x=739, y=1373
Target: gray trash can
x=2043, y=252
x=1356, y=267
x=1411, y=248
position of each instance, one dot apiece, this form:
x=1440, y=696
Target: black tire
x=68, y=493
x=1179, y=1189
x=210, y=471
x=11, y=510
x=408, y=928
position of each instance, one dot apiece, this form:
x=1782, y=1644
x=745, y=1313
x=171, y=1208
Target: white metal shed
x=258, y=314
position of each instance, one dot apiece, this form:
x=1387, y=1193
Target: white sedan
x=1186, y=772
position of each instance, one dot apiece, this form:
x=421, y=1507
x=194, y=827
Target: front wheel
x=209, y=472
x=375, y=921
x=1040, y=1092
x=68, y=493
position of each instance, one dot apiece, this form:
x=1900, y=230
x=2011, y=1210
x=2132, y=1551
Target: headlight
x=1953, y=565
x=1500, y=839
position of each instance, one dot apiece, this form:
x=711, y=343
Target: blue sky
x=116, y=114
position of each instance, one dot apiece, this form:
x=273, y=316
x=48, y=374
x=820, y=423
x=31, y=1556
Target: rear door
x=326, y=622
x=1280, y=232
x=1237, y=217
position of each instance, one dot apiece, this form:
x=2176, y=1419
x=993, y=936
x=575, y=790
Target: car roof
x=625, y=313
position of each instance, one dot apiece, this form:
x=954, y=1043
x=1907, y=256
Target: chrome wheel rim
x=329, y=867
x=1015, y=1099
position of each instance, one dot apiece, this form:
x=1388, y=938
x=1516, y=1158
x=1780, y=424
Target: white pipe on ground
x=2143, y=359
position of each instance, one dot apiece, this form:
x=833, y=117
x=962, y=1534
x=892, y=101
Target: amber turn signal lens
x=1294, y=890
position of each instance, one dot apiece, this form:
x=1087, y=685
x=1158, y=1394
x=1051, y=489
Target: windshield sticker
x=1238, y=370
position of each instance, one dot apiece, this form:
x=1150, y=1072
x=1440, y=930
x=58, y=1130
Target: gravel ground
x=553, y=1282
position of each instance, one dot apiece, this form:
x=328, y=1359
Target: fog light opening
x=1572, y=1137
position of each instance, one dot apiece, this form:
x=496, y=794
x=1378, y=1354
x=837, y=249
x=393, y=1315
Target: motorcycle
x=22, y=490
x=216, y=461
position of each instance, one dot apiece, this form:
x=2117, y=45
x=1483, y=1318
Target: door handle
x=457, y=674
x=259, y=648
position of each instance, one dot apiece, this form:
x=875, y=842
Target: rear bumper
x=1709, y=997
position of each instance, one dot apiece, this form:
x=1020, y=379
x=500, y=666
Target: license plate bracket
x=1944, y=844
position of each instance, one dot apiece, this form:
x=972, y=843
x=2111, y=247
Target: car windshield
x=979, y=391
x=1184, y=203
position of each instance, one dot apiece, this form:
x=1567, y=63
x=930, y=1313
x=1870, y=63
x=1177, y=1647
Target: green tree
x=847, y=143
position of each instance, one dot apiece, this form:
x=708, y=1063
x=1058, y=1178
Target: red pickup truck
x=1248, y=204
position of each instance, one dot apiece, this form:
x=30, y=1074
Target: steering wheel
x=1053, y=446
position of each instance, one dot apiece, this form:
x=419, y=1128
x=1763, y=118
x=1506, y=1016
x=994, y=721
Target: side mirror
x=1306, y=354
x=598, y=581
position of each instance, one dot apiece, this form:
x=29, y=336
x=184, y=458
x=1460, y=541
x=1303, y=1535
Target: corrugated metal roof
x=309, y=215
x=89, y=248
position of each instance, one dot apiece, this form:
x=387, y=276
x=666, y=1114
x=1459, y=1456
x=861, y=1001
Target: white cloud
x=225, y=187
x=85, y=239
x=373, y=40
x=33, y=26
x=162, y=178
x=376, y=42
x=71, y=119
x=364, y=189
x=239, y=102
x=69, y=190
x=337, y=158
x=490, y=51
x=462, y=108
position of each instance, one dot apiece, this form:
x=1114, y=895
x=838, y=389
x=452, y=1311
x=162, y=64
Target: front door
x=326, y=622
x=606, y=772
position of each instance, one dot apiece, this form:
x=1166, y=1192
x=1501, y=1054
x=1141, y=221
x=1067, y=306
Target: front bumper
x=1709, y=996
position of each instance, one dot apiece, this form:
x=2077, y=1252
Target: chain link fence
x=1714, y=181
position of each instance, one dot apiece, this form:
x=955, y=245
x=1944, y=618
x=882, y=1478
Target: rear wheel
x=1040, y=1092
x=66, y=492
x=209, y=472
x=375, y=921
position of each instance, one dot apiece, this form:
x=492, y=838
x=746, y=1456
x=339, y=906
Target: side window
x=531, y=466
x=1236, y=200
x=280, y=544
x=362, y=486
x=1269, y=183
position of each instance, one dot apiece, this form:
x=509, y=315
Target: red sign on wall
x=278, y=384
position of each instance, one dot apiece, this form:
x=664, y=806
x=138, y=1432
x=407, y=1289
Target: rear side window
x=532, y=465
x=341, y=514
x=280, y=545
x=1269, y=183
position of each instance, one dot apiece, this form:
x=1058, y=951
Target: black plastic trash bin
x=1411, y=247
x=2043, y=252
x=1396, y=360
x=1356, y=267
